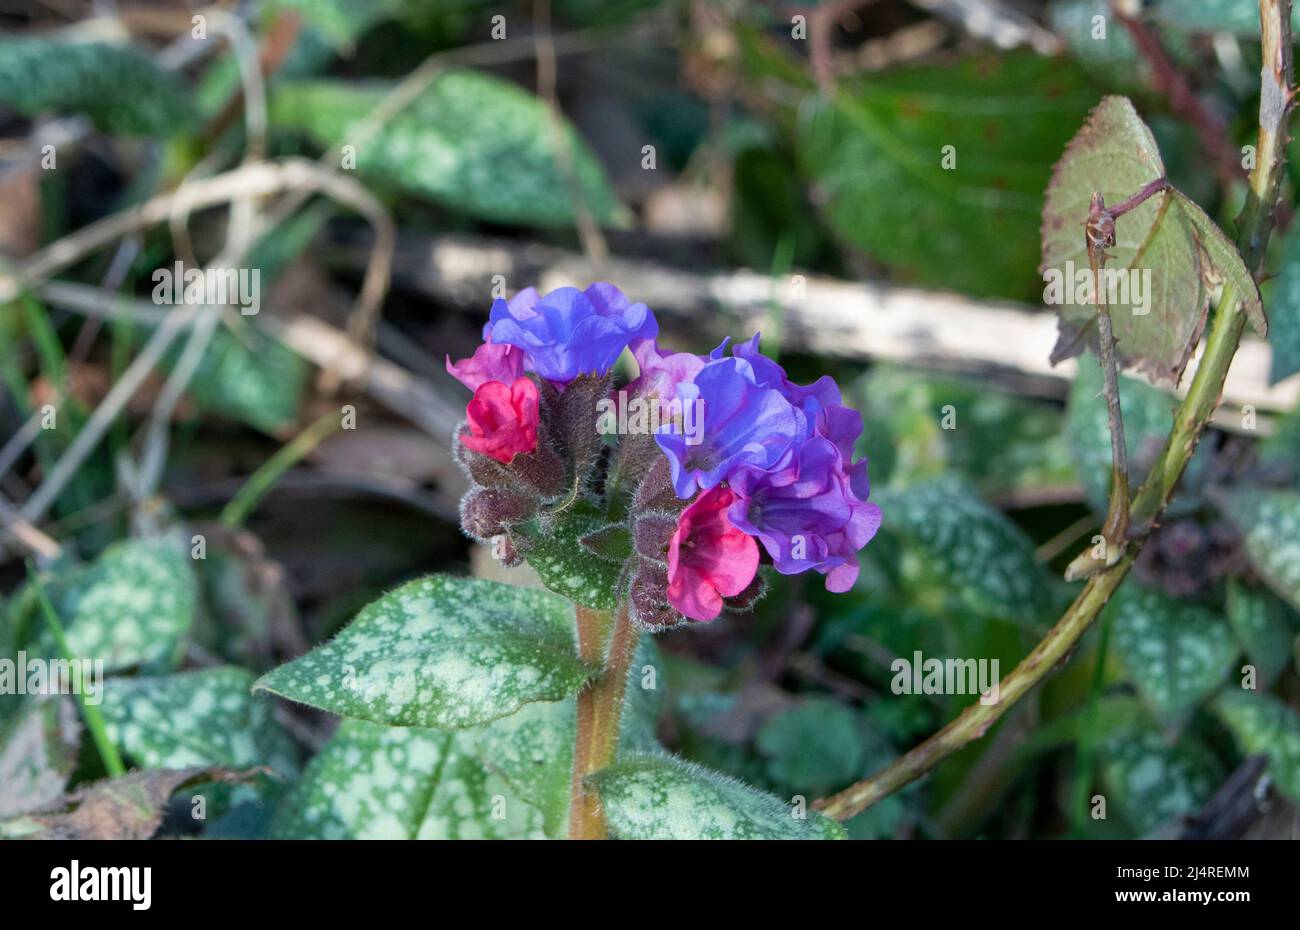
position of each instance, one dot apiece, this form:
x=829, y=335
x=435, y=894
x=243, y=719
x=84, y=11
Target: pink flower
x=490, y=362
x=708, y=558
x=503, y=420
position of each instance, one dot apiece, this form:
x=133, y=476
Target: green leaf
x=441, y=651
x=131, y=606
x=205, y=717
x=38, y=753
x=814, y=747
x=1152, y=782
x=119, y=87
x=1176, y=653
x=657, y=797
x=533, y=748
x=1001, y=443
x=1269, y=523
x=969, y=548
x=377, y=782
x=1263, y=725
x=1221, y=263
x=567, y=567
x=1166, y=246
x=1284, y=311
x=340, y=22
x=1148, y=414
x=1114, y=56
x=1214, y=16
x=474, y=142
x=249, y=376
x=1264, y=626
x=874, y=152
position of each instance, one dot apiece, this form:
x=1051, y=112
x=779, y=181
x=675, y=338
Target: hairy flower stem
x=1256, y=222
x=599, y=710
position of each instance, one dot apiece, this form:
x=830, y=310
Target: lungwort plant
x=641, y=507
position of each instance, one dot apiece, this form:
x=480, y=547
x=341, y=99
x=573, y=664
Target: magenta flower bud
x=489, y=512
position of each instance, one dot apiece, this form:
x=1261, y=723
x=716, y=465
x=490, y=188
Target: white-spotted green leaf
x=969, y=548
x=474, y=142
x=1234, y=16
x=200, y=718
x=248, y=376
x=1284, y=310
x=658, y=797
x=1264, y=626
x=1148, y=414
x=533, y=748
x=339, y=22
x=566, y=567
x=1166, y=246
x=1152, y=782
x=377, y=782
x=1263, y=725
x=1269, y=522
x=119, y=87
x=132, y=606
x=38, y=752
x=1176, y=653
x=1001, y=443
x=441, y=652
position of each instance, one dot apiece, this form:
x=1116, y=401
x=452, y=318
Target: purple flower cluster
x=749, y=458
x=569, y=332
x=786, y=452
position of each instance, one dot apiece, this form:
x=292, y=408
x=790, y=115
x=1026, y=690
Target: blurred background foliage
x=990, y=482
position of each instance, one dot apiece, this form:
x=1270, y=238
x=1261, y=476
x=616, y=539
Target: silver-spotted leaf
x=968, y=547
x=533, y=748
x=566, y=566
x=1263, y=725
x=133, y=606
x=121, y=88
x=658, y=797
x=377, y=782
x=1148, y=415
x=1269, y=522
x=38, y=753
x=248, y=376
x=472, y=141
x=1284, y=310
x=441, y=652
x=204, y=717
x=1152, y=782
x=1236, y=16
x=1176, y=653
x=1264, y=626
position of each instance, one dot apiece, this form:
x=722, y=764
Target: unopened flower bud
x=489, y=512
x=481, y=470
x=571, y=419
x=649, y=597
x=541, y=470
x=651, y=533
x=746, y=599
x=656, y=489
